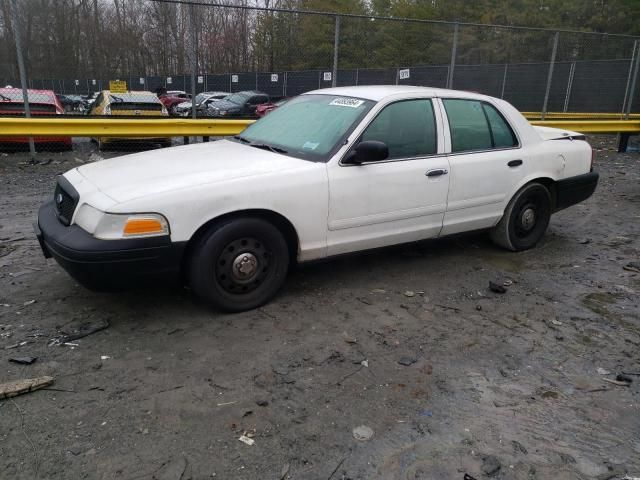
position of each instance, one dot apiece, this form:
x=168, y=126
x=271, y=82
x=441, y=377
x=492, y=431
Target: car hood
x=224, y=105
x=185, y=105
x=149, y=173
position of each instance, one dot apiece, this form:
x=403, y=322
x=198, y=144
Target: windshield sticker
x=310, y=145
x=347, y=102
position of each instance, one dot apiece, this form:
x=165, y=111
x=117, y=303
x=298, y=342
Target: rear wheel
x=239, y=265
x=525, y=219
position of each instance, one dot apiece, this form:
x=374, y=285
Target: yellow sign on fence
x=118, y=86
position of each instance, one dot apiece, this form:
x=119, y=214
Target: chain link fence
x=173, y=51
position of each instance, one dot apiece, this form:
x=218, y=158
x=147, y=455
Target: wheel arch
x=276, y=219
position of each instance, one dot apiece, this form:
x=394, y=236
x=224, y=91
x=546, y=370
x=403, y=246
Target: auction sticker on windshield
x=347, y=102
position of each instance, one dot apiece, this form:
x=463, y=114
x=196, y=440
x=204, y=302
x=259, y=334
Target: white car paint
x=334, y=208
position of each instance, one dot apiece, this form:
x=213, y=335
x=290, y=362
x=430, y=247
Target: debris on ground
x=349, y=338
x=490, y=465
x=409, y=294
x=365, y=363
x=82, y=331
x=284, y=471
x=23, y=360
x=245, y=439
x=616, y=382
x=262, y=403
x=602, y=371
x=621, y=377
x=18, y=387
x=104, y=357
x=496, y=287
x=407, y=361
x=362, y=433
x=30, y=302
x=632, y=267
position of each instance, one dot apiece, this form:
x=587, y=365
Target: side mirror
x=368, y=151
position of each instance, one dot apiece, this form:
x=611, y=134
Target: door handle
x=436, y=172
x=514, y=163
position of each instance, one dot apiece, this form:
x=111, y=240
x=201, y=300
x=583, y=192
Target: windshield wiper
x=241, y=138
x=271, y=148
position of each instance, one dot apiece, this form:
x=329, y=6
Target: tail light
x=593, y=158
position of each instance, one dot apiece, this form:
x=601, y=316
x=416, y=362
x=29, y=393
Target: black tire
x=525, y=219
x=239, y=265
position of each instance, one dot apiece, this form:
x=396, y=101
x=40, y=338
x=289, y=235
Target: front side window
x=408, y=128
x=476, y=125
x=309, y=126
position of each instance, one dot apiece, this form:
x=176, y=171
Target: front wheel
x=239, y=265
x=525, y=219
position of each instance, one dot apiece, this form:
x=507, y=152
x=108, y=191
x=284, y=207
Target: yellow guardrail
x=106, y=127
x=592, y=126
x=178, y=127
x=582, y=115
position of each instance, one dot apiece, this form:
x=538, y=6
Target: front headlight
x=116, y=226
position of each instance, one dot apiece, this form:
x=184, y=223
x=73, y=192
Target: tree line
x=106, y=38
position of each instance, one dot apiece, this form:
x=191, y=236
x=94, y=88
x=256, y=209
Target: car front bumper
x=107, y=264
x=576, y=189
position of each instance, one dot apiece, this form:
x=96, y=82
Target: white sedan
x=330, y=172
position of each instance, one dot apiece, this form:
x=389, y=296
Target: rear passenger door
x=486, y=160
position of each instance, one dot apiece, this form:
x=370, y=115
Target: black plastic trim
x=107, y=264
x=573, y=190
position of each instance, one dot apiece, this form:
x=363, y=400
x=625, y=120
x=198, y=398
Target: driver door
x=400, y=199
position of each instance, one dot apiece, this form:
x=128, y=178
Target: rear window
x=33, y=107
x=131, y=106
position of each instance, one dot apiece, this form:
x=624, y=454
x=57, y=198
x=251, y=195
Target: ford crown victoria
x=330, y=172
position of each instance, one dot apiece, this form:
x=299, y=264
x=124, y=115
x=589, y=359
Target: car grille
x=65, y=204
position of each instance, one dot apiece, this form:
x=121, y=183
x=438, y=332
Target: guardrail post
x=336, y=44
x=569, y=85
x=17, y=32
x=454, y=50
x=550, y=75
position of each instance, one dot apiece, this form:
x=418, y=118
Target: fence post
x=631, y=78
x=569, y=86
x=357, y=74
x=556, y=36
x=632, y=89
x=17, y=32
x=504, y=79
x=336, y=44
x=454, y=49
x=194, y=50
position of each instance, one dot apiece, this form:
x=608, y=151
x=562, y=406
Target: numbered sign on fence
x=404, y=74
x=93, y=82
x=169, y=80
x=274, y=77
x=77, y=82
x=326, y=76
x=118, y=86
x=234, y=78
x=200, y=79
x=141, y=80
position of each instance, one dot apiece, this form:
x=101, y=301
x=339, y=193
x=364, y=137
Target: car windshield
x=309, y=126
x=237, y=98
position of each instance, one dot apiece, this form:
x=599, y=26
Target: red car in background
x=265, y=108
x=41, y=102
x=172, y=98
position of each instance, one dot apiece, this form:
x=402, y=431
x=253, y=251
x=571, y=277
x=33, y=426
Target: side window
x=475, y=125
x=503, y=136
x=407, y=127
x=468, y=125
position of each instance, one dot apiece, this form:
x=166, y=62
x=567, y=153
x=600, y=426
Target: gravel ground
x=451, y=378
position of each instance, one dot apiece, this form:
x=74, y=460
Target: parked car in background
x=41, y=102
x=240, y=104
x=173, y=98
x=90, y=99
x=203, y=100
x=262, y=110
x=72, y=103
x=136, y=103
x=332, y=171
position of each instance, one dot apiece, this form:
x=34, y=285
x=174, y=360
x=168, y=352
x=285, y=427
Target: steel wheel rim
x=243, y=265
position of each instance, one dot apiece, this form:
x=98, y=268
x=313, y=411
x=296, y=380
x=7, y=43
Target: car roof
x=379, y=92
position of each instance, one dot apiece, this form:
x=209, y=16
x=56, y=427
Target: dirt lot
x=505, y=386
